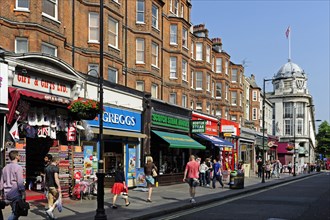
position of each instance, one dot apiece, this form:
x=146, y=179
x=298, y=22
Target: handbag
x=154, y=172
x=22, y=208
x=2, y=204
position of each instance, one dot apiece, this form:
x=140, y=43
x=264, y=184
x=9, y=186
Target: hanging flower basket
x=289, y=148
x=84, y=109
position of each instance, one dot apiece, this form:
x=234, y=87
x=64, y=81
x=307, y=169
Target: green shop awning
x=179, y=140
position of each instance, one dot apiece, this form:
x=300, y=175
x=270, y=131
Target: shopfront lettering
x=42, y=84
x=119, y=119
x=168, y=121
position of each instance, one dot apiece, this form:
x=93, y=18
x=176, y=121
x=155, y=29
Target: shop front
x=171, y=146
x=122, y=142
x=272, y=143
x=40, y=90
x=285, y=152
x=230, y=131
x=246, y=149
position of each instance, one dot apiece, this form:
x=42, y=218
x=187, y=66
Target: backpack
x=22, y=208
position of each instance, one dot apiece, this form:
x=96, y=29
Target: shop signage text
x=211, y=125
x=171, y=122
x=198, y=126
x=119, y=119
x=24, y=80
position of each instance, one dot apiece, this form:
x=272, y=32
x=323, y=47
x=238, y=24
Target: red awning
x=15, y=94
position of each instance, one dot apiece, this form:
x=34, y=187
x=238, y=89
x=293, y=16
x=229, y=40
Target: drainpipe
x=161, y=58
x=73, y=46
x=125, y=69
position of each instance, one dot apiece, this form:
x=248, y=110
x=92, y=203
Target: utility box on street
x=236, y=180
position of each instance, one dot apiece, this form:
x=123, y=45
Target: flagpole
x=289, y=44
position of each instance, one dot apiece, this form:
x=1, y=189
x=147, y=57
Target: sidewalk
x=166, y=199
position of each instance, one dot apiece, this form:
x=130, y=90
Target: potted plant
x=84, y=109
x=289, y=147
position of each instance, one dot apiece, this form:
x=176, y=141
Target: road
x=305, y=199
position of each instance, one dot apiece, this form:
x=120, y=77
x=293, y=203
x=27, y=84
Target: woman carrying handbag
x=150, y=170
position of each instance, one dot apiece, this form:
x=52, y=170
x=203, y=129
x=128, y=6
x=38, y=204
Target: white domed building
x=293, y=115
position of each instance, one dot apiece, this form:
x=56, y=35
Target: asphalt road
x=305, y=199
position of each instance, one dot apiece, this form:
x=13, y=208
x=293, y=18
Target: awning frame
x=216, y=141
x=119, y=133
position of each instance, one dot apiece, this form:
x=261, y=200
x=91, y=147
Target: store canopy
x=217, y=141
x=179, y=140
x=119, y=133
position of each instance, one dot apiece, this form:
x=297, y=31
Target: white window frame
x=184, y=37
x=287, y=126
x=139, y=85
x=240, y=99
x=218, y=112
x=199, y=106
x=173, y=67
x=218, y=65
x=154, y=20
x=218, y=94
x=191, y=104
x=233, y=117
x=174, y=34
x=192, y=77
x=112, y=34
x=50, y=46
x=175, y=7
x=213, y=89
x=226, y=92
x=254, y=95
x=234, y=73
x=140, y=49
x=154, y=54
x=208, y=108
x=192, y=50
x=184, y=101
x=55, y=2
x=226, y=67
x=212, y=63
x=208, y=54
x=182, y=11
x=93, y=69
x=172, y=98
x=19, y=8
x=140, y=12
x=254, y=114
x=154, y=91
x=208, y=82
x=95, y=28
x=199, y=80
x=115, y=71
x=18, y=41
x=234, y=98
x=199, y=51
x=184, y=70
x=300, y=126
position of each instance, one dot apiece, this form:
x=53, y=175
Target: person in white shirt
x=202, y=170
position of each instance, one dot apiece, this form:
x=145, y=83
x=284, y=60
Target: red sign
x=71, y=135
x=211, y=127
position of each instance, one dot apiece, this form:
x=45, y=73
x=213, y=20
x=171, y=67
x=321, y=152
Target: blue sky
x=254, y=31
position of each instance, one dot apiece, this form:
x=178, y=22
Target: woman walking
x=119, y=187
x=148, y=169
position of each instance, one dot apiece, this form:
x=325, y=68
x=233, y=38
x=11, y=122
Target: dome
x=289, y=70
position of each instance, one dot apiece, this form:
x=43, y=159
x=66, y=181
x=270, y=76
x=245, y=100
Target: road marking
x=204, y=207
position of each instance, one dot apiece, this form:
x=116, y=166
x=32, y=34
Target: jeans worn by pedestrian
x=13, y=207
x=202, y=180
x=215, y=179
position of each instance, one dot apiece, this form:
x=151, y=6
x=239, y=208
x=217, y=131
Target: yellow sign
x=227, y=134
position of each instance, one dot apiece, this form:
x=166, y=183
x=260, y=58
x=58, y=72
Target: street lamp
x=294, y=140
x=309, y=144
x=263, y=129
x=100, y=212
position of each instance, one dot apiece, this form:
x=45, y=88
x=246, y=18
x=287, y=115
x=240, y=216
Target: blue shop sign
x=119, y=119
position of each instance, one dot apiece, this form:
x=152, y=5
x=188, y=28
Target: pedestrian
x=53, y=186
x=148, y=169
x=191, y=175
x=47, y=161
x=268, y=169
x=208, y=171
x=259, y=163
x=202, y=170
x=119, y=187
x=290, y=167
x=305, y=168
x=12, y=183
x=217, y=174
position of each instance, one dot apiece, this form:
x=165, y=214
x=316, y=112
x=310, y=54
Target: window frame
x=116, y=74
x=234, y=75
x=174, y=34
x=192, y=77
x=184, y=101
x=18, y=8
x=140, y=12
x=254, y=114
x=154, y=17
x=55, y=2
x=110, y=33
x=173, y=96
x=154, y=54
x=199, y=82
x=199, y=51
x=49, y=46
x=140, y=51
x=234, y=98
x=218, y=90
x=94, y=28
x=141, y=83
x=173, y=67
x=21, y=39
x=208, y=54
x=184, y=37
x=184, y=70
x=208, y=82
x=90, y=68
x=192, y=55
x=218, y=68
x=254, y=95
x=154, y=89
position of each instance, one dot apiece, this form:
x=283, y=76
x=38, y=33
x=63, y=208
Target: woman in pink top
x=191, y=175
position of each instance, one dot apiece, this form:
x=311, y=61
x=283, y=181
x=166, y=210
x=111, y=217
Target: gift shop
x=3, y=105
x=40, y=88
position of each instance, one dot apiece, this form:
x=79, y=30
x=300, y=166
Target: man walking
x=191, y=175
x=53, y=186
x=12, y=184
x=217, y=176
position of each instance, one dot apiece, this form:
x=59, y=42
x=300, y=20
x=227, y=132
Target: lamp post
x=294, y=140
x=263, y=129
x=309, y=133
x=100, y=212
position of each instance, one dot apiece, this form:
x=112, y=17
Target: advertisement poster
x=131, y=162
x=88, y=160
x=140, y=177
